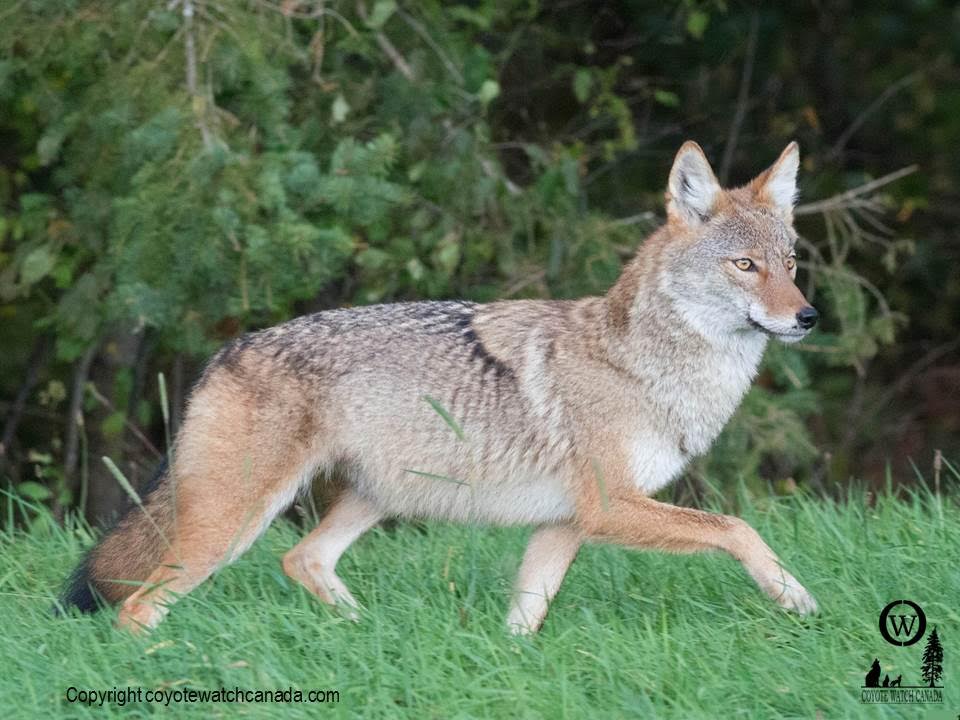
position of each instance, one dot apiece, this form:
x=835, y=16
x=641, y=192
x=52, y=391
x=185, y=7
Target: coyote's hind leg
x=212, y=530
x=235, y=467
x=313, y=561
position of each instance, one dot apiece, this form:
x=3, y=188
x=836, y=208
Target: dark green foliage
x=181, y=172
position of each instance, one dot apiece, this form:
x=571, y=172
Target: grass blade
x=433, y=476
x=447, y=417
x=134, y=495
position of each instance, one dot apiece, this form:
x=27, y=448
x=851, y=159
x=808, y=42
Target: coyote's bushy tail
x=128, y=552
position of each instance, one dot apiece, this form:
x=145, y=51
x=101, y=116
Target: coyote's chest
x=690, y=409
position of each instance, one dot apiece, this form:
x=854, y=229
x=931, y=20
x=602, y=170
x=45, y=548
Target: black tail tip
x=78, y=592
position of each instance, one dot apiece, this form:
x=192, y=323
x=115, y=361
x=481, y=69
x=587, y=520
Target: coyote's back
x=408, y=400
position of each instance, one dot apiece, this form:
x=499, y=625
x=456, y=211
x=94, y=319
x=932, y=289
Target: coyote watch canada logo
x=905, y=628
x=902, y=624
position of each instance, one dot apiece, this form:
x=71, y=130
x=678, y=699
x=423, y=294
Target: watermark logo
x=905, y=628
x=902, y=624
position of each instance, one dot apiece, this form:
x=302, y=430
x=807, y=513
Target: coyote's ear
x=693, y=188
x=777, y=185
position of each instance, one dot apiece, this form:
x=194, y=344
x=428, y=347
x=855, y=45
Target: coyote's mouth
x=792, y=334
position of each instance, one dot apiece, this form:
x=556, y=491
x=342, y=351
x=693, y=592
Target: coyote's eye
x=791, y=262
x=745, y=264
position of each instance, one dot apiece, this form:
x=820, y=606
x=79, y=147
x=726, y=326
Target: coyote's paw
x=139, y=616
x=791, y=595
x=348, y=610
x=520, y=629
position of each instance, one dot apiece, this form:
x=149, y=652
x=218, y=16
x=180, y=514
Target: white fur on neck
x=699, y=391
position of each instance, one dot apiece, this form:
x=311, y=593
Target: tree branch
x=858, y=122
x=399, y=62
x=907, y=377
x=197, y=100
x=81, y=372
x=137, y=433
x=36, y=361
x=853, y=197
x=422, y=32
x=742, y=97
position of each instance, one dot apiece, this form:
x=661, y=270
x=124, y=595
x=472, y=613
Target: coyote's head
x=731, y=264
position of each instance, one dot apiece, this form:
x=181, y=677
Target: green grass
x=631, y=634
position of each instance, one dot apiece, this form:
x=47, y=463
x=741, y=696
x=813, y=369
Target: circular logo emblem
x=902, y=623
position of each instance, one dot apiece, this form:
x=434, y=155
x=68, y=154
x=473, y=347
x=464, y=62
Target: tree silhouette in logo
x=932, y=667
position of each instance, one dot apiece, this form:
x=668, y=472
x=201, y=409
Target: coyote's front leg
x=624, y=516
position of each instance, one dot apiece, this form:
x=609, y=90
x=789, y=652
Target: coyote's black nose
x=807, y=317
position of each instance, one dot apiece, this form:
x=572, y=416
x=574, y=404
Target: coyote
x=563, y=415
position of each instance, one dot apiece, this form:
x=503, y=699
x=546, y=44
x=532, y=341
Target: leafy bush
x=180, y=172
